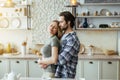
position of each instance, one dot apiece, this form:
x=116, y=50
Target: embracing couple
x=60, y=54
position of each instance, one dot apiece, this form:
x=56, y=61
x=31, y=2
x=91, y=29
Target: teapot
x=12, y=76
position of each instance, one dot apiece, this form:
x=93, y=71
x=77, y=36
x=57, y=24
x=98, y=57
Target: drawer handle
x=91, y=62
x=0, y=61
x=17, y=62
x=35, y=61
x=109, y=62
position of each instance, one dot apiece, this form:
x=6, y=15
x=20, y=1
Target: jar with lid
x=90, y=50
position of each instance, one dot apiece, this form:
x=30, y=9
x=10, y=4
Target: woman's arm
x=52, y=59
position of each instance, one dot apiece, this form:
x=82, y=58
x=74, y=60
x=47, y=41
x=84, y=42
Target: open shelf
x=98, y=16
x=102, y=4
x=98, y=29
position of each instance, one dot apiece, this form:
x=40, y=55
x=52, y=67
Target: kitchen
x=34, y=31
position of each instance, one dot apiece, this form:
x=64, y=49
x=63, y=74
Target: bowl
x=109, y=52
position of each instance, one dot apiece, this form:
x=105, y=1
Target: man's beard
x=65, y=28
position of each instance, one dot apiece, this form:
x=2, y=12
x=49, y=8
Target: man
x=70, y=45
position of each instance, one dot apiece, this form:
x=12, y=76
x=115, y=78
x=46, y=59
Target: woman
x=50, y=50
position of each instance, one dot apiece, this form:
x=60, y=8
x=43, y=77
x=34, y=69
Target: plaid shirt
x=68, y=56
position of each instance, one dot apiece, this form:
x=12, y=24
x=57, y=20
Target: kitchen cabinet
x=109, y=70
x=34, y=69
x=26, y=67
x=4, y=67
x=91, y=70
x=18, y=66
x=98, y=69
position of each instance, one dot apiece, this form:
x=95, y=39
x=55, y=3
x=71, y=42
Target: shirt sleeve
x=55, y=42
x=67, y=52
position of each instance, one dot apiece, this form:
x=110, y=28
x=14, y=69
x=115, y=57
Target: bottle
x=8, y=50
x=85, y=24
x=23, y=48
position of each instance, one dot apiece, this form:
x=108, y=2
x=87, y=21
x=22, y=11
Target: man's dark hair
x=68, y=17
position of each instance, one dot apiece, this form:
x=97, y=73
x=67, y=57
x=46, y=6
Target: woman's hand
x=44, y=66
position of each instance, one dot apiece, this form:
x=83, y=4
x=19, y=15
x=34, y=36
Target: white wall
x=43, y=12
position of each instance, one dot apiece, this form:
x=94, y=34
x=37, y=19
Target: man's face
x=63, y=25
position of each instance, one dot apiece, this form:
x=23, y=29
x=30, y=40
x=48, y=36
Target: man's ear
x=69, y=22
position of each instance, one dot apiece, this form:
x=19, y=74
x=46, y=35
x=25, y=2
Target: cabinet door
x=90, y=70
x=34, y=69
x=18, y=66
x=109, y=70
x=4, y=67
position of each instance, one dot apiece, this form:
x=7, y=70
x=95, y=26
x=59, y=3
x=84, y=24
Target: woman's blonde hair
x=59, y=32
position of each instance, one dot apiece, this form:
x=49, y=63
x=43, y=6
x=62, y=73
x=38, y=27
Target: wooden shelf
x=96, y=4
x=98, y=16
x=98, y=29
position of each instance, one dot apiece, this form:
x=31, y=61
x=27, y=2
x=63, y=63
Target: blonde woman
x=50, y=50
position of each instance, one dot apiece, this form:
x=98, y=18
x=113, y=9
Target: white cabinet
x=4, y=67
x=87, y=69
x=98, y=69
x=34, y=69
x=90, y=70
x=18, y=66
x=109, y=70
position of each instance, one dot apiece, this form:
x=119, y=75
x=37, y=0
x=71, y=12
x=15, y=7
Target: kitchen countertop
x=48, y=79
x=98, y=57
x=81, y=57
x=28, y=56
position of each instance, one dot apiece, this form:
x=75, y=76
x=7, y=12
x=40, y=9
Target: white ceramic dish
x=105, y=12
x=4, y=23
x=16, y=22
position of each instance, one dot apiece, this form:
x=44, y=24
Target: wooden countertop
x=23, y=78
x=81, y=57
x=98, y=57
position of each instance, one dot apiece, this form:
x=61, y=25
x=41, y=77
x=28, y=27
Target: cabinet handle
x=91, y=62
x=0, y=61
x=35, y=61
x=109, y=62
x=17, y=61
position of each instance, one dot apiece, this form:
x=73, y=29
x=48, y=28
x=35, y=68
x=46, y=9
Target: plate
x=16, y=22
x=4, y=23
x=103, y=12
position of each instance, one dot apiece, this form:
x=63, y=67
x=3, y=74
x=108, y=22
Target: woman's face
x=53, y=28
